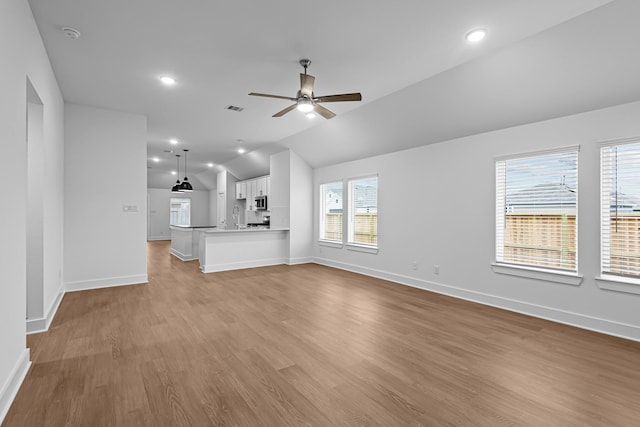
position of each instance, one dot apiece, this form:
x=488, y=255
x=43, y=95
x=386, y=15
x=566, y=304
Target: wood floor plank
x=311, y=345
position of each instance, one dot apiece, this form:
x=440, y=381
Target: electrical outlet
x=414, y=265
x=436, y=269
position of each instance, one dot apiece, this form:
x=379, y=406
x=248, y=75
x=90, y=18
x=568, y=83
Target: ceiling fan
x=306, y=101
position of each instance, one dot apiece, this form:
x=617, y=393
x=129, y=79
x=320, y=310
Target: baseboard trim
x=213, y=268
x=158, y=238
x=10, y=388
x=35, y=326
x=109, y=282
x=181, y=256
x=604, y=326
x=301, y=260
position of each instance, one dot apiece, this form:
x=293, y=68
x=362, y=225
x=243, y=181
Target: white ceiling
x=403, y=55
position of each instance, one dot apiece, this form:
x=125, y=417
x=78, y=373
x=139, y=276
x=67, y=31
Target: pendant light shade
x=176, y=188
x=186, y=185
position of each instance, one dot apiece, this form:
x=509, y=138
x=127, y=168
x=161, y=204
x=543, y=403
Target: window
x=536, y=210
x=620, y=209
x=180, y=212
x=363, y=211
x=331, y=211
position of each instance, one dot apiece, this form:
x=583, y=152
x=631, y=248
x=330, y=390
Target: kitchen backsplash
x=256, y=216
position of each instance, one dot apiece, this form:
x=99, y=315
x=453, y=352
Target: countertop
x=245, y=230
x=193, y=226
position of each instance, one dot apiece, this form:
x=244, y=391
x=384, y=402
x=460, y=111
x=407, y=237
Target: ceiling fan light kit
x=306, y=101
x=305, y=105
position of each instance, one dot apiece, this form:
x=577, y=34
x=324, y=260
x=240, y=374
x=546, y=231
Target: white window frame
x=569, y=277
x=181, y=200
x=351, y=244
x=607, y=279
x=321, y=231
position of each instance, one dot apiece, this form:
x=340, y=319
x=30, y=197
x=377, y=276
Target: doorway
x=35, y=202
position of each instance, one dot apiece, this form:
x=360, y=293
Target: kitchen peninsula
x=185, y=241
x=223, y=249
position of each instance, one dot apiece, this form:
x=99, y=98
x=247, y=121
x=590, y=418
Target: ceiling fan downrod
x=305, y=63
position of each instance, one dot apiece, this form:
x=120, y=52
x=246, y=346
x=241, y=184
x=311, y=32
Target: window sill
x=619, y=284
x=362, y=248
x=331, y=244
x=573, y=279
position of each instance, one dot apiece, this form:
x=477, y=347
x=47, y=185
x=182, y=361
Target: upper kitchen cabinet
x=241, y=190
x=251, y=194
x=261, y=186
x=251, y=188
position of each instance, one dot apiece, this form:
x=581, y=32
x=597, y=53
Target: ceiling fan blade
x=272, y=96
x=327, y=114
x=339, y=98
x=285, y=111
x=306, y=84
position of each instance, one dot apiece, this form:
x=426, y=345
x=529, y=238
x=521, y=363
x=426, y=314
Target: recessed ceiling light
x=241, y=151
x=167, y=80
x=174, y=173
x=474, y=36
x=311, y=115
x=210, y=165
x=155, y=159
x=173, y=141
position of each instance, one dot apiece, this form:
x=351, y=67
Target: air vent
x=168, y=151
x=233, y=108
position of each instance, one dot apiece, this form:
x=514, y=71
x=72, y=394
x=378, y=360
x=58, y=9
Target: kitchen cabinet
x=261, y=186
x=250, y=188
x=251, y=194
x=241, y=190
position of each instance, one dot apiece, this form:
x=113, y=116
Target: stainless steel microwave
x=261, y=203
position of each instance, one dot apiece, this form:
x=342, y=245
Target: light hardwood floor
x=310, y=345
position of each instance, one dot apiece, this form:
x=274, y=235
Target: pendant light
x=176, y=188
x=186, y=185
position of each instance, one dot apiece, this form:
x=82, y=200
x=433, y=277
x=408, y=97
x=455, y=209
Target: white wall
x=213, y=206
x=159, y=198
x=291, y=203
x=280, y=191
x=24, y=57
x=104, y=245
x=301, y=213
x=436, y=207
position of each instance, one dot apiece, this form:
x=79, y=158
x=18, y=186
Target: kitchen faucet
x=236, y=215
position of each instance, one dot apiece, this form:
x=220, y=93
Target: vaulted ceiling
x=421, y=81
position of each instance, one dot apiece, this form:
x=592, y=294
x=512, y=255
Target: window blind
x=331, y=211
x=536, y=210
x=620, y=209
x=363, y=211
